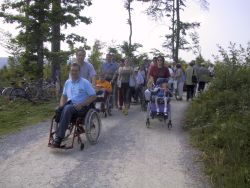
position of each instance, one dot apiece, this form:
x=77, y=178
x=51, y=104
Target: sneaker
x=125, y=111
x=56, y=143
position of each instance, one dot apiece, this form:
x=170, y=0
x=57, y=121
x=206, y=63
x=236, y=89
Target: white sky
x=226, y=20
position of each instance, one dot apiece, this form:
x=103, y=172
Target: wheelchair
x=104, y=103
x=87, y=121
x=155, y=102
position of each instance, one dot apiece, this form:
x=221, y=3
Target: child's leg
x=156, y=104
x=165, y=105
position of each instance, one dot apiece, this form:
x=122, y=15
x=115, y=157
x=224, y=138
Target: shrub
x=219, y=121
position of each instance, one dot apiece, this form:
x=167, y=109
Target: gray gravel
x=129, y=155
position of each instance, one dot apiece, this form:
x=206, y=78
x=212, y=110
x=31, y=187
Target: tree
x=177, y=40
x=115, y=53
x=32, y=17
x=64, y=13
x=8, y=42
x=95, y=57
x=40, y=21
x=129, y=50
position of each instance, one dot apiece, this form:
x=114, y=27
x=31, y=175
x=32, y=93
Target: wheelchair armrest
x=58, y=108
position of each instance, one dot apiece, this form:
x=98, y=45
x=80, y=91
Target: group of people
x=123, y=80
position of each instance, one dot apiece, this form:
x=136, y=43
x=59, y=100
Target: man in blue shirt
x=78, y=93
x=87, y=70
x=109, y=68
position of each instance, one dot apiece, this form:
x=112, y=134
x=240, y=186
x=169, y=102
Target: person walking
x=109, y=68
x=191, y=80
x=124, y=76
x=203, y=77
x=118, y=95
x=87, y=70
x=180, y=78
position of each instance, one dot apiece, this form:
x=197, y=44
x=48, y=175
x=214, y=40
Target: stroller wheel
x=82, y=146
x=169, y=125
x=147, y=123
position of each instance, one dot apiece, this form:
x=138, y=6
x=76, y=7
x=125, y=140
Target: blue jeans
x=66, y=115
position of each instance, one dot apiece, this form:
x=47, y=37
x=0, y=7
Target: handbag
x=194, y=78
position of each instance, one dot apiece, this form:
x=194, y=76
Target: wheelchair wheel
x=53, y=128
x=109, y=106
x=93, y=126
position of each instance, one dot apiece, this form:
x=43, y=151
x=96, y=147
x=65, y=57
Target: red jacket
x=157, y=72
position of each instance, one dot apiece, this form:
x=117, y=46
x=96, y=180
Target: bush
x=219, y=121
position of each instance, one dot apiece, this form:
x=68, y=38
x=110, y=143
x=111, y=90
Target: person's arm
x=115, y=76
x=93, y=80
x=150, y=81
x=109, y=87
x=167, y=72
x=119, y=73
x=88, y=101
x=150, y=77
x=92, y=96
x=92, y=74
x=63, y=100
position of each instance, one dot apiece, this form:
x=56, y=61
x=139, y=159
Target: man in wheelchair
x=77, y=95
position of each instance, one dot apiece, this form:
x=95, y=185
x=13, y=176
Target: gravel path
x=128, y=156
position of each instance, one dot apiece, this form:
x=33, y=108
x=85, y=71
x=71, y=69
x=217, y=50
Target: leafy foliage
x=39, y=22
x=96, y=55
x=219, y=120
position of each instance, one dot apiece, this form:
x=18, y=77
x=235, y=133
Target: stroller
x=159, y=106
x=103, y=102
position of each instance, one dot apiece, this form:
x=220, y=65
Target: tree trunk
x=178, y=25
x=130, y=26
x=40, y=57
x=56, y=46
x=173, y=31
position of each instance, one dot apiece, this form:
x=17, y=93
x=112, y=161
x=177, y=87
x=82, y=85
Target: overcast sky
x=225, y=21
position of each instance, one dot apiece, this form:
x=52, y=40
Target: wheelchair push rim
x=93, y=126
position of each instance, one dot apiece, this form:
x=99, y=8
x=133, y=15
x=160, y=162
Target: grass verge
x=221, y=131
x=16, y=115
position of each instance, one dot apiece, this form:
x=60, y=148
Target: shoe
x=125, y=111
x=56, y=143
x=165, y=114
x=157, y=113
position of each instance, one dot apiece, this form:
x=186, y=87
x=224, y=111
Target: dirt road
x=129, y=155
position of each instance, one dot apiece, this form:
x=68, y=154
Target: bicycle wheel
x=32, y=92
x=50, y=91
x=17, y=94
x=6, y=91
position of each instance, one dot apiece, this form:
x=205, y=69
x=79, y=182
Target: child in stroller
x=161, y=95
x=103, y=92
x=158, y=98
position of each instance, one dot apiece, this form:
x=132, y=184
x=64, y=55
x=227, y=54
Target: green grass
x=221, y=131
x=16, y=115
